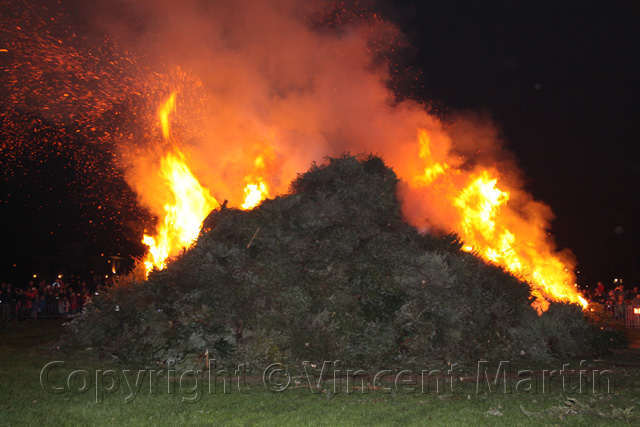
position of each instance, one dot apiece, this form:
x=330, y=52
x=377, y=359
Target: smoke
x=265, y=88
x=287, y=80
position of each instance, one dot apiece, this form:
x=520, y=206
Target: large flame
x=493, y=229
x=478, y=205
x=188, y=203
x=272, y=87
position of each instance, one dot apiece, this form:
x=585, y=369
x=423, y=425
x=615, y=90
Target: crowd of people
x=60, y=299
x=623, y=304
x=618, y=296
x=42, y=300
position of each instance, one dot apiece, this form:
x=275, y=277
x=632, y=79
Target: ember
x=267, y=93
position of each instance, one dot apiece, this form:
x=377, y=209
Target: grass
x=23, y=354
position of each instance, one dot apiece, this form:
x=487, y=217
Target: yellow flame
x=256, y=190
x=190, y=204
x=163, y=114
x=492, y=233
x=583, y=301
x=482, y=216
x=187, y=202
x=255, y=193
x=479, y=203
x=432, y=169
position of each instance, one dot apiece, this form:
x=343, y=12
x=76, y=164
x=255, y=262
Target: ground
x=26, y=348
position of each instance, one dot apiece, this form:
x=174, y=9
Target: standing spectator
x=611, y=301
x=30, y=300
x=621, y=291
x=620, y=309
x=600, y=295
x=73, y=303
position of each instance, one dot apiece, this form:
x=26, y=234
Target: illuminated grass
x=23, y=400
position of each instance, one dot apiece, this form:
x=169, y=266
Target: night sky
x=561, y=81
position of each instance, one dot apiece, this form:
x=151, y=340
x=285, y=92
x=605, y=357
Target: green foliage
x=568, y=331
x=328, y=272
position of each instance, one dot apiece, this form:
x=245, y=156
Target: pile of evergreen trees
x=329, y=272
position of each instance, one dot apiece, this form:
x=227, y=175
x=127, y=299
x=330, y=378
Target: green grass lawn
x=24, y=401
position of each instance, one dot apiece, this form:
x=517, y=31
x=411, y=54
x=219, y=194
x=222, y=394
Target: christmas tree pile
x=329, y=272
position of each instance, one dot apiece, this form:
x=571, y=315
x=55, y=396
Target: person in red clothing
x=31, y=296
x=600, y=296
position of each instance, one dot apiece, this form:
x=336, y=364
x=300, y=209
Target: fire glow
x=482, y=223
x=271, y=89
x=187, y=202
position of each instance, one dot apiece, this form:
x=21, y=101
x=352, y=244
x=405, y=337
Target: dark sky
x=562, y=81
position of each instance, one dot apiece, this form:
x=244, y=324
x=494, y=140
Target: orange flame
x=189, y=204
x=483, y=217
x=256, y=191
x=432, y=169
x=496, y=232
x=479, y=203
x=186, y=201
x=255, y=194
x=163, y=114
x=270, y=94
